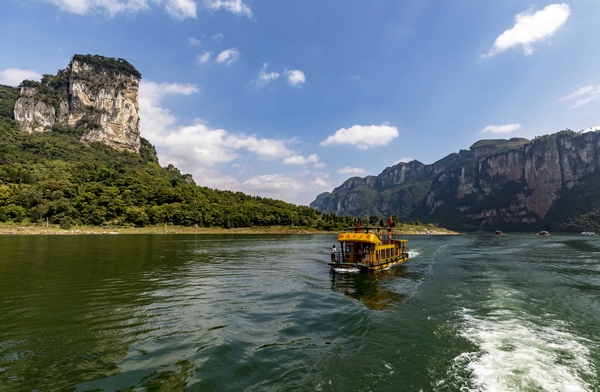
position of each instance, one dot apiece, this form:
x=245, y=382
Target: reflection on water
x=371, y=289
x=70, y=305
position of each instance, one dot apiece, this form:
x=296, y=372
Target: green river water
x=475, y=312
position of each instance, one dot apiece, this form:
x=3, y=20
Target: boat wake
x=345, y=270
x=521, y=354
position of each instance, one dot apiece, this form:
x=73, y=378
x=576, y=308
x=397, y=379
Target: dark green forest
x=53, y=177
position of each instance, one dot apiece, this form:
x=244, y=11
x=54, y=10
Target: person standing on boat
x=333, y=251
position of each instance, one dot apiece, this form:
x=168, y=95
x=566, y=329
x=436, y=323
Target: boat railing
x=338, y=257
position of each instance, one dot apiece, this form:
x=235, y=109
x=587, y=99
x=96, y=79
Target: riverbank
x=6, y=229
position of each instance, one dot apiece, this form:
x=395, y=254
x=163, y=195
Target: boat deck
x=369, y=251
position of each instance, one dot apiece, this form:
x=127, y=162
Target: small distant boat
x=369, y=250
x=499, y=232
x=543, y=232
x=588, y=233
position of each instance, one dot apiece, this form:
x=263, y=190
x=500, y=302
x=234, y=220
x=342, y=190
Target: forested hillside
x=53, y=177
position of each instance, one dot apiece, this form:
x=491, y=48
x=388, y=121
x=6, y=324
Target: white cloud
x=200, y=145
x=235, y=6
x=179, y=9
x=156, y=120
x=583, y=95
x=592, y=129
x=220, y=159
x=196, y=144
x=266, y=148
x=279, y=186
x=154, y=92
x=363, y=136
x=194, y=41
x=508, y=128
x=293, y=189
x=531, y=27
x=203, y=58
x=300, y=160
x=295, y=77
x=212, y=178
x=228, y=56
x=265, y=77
x=268, y=183
x=79, y=7
x=404, y=160
x=351, y=170
x=14, y=76
x=320, y=183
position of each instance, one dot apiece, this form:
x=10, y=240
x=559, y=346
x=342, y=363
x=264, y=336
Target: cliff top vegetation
x=108, y=64
x=500, y=144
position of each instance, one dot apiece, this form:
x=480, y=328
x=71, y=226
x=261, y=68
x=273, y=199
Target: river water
x=475, y=312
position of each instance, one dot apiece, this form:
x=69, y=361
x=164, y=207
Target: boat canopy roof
x=372, y=238
x=359, y=237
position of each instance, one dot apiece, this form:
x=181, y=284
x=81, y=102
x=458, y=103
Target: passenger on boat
x=333, y=251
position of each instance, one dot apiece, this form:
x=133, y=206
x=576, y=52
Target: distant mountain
x=550, y=183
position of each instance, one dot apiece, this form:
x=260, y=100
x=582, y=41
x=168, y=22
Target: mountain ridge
x=510, y=184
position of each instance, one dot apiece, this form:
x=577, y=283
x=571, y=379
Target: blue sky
x=288, y=99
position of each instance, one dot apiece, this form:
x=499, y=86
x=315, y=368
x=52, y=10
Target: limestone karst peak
x=96, y=94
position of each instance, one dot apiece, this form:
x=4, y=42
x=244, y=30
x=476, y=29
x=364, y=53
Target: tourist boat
x=371, y=249
x=543, y=232
x=499, y=232
x=590, y=233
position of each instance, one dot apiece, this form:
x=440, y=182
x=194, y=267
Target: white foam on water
x=413, y=253
x=521, y=353
x=346, y=270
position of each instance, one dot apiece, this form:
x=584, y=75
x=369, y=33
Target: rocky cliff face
x=96, y=94
x=35, y=114
x=497, y=183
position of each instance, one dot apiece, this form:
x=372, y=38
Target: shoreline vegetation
x=31, y=229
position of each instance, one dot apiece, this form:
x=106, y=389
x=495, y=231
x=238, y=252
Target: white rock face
x=113, y=104
x=36, y=115
x=102, y=102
